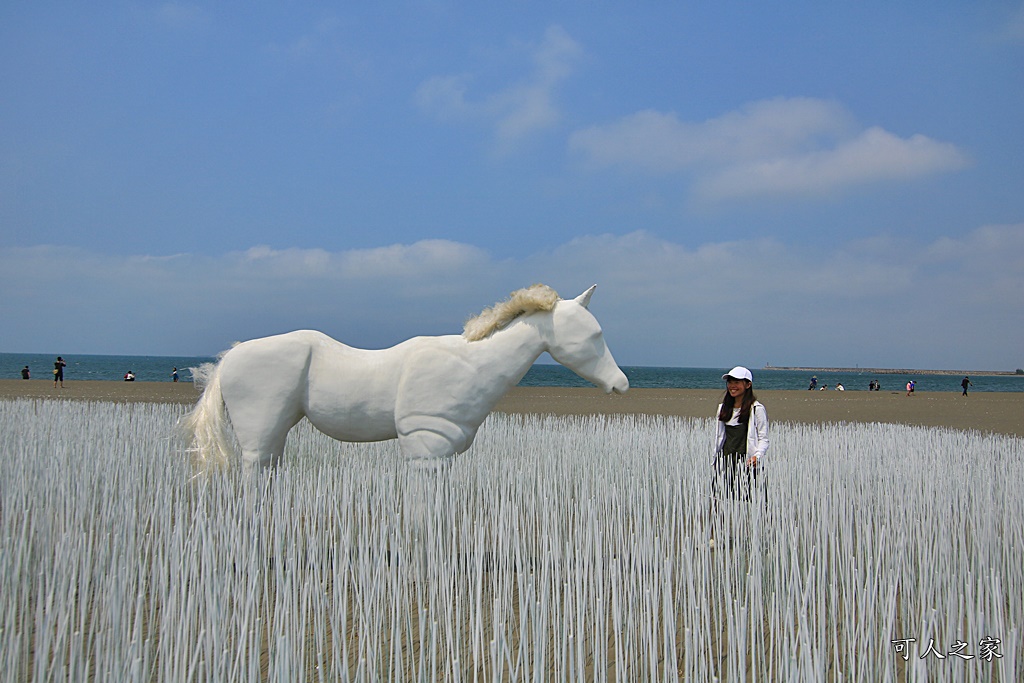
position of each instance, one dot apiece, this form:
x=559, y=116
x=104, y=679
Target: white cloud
x=954, y=302
x=875, y=155
x=660, y=142
x=323, y=35
x=778, y=146
x=517, y=110
x=180, y=15
x=425, y=258
x=445, y=97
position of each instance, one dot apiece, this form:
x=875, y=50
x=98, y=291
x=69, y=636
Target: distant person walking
x=58, y=372
x=966, y=382
x=25, y=374
x=814, y=383
x=910, y=387
x=174, y=375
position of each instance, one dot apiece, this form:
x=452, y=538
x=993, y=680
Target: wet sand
x=1001, y=413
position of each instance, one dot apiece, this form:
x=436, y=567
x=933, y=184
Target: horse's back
x=267, y=367
x=280, y=351
x=356, y=394
x=352, y=392
x=346, y=392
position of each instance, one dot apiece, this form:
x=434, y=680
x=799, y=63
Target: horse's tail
x=204, y=428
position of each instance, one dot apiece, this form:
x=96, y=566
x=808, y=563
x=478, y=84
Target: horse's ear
x=584, y=298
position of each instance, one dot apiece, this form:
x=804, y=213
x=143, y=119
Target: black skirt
x=732, y=478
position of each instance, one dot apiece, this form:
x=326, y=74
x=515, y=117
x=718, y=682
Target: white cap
x=739, y=372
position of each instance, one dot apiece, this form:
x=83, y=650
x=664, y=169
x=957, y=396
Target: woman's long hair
x=729, y=403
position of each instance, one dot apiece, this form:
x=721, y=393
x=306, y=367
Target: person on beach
x=58, y=372
x=814, y=383
x=129, y=376
x=741, y=436
x=910, y=387
x=966, y=383
x=174, y=375
x=741, y=441
x=25, y=374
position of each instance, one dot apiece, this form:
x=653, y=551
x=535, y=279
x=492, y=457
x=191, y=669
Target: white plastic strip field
x=555, y=549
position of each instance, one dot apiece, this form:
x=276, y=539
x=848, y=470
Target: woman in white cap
x=742, y=436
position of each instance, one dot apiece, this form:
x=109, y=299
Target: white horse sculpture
x=431, y=393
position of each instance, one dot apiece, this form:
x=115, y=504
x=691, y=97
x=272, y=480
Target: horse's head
x=578, y=343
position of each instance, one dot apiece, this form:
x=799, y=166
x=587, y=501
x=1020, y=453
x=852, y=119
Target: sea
x=159, y=369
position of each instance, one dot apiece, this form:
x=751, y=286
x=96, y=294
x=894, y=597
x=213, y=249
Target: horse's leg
x=262, y=448
x=427, y=519
x=261, y=424
x=428, y=441
x=262, y=382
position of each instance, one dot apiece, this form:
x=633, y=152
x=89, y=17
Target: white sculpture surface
x=431, y=393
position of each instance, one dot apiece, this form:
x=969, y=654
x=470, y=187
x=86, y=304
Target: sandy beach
x=1001, y=413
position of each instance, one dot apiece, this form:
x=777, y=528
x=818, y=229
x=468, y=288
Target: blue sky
x=804, y=185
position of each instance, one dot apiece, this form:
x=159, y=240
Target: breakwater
x=895, y=371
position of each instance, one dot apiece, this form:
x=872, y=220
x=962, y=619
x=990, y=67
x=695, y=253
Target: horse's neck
x=510, y=352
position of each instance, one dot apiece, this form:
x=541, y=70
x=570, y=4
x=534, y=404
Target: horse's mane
x=534, y=298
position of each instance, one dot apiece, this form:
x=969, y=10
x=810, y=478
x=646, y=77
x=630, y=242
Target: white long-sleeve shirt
x=757, y=430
